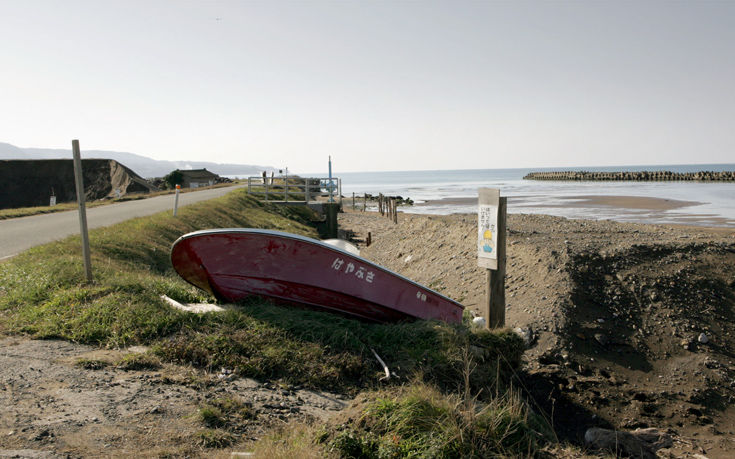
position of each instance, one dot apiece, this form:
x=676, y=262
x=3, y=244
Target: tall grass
x=420, y=421
x=417, y=420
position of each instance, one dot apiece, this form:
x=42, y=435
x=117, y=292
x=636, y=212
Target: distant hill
x=143, y=166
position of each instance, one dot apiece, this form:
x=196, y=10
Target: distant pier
x=640, y=176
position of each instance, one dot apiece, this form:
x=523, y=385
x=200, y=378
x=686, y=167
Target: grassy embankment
x=453, y=398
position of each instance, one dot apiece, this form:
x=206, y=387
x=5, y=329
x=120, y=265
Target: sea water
x=712, y=203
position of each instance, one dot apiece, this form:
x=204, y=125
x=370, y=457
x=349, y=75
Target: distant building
x=194, y=178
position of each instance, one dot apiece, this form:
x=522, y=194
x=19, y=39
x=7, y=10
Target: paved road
x=19, y=234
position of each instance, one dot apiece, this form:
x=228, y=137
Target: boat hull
x=233, y=264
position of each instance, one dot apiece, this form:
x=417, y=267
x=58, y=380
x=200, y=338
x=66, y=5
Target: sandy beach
x=628, y=325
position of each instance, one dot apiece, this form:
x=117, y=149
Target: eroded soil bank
x=628, y=325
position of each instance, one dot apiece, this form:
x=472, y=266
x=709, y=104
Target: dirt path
x=54, y=408
x=613, y=312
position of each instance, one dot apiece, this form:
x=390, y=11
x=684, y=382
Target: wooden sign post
x=79, y=183
x=491, y=224
x=176, y=199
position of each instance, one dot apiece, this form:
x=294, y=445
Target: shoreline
x=586, y=201
x=631, y=209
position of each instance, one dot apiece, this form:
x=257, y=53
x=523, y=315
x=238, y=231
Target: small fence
x=296, y=189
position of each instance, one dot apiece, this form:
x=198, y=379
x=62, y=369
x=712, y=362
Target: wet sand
x=625, y=202
x=627, y=206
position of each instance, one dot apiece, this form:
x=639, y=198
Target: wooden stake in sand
x=491, y=229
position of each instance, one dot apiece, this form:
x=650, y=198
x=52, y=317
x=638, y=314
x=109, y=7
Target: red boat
x=233, y=264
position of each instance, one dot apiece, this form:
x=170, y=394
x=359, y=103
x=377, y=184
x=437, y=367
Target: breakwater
x=639, y=176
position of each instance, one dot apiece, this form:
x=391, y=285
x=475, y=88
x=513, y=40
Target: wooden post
x=176, y=200
x=306, y=189
x=496, y=277
x=491, y=248
x=369, y=239
x=353, y=200
x=266, y=189
x=79, y=182
x=395, y=211
x=330, y=210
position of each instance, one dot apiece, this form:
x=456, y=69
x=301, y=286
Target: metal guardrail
x=284, y=188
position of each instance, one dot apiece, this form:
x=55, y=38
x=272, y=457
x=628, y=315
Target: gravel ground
x=54, y=408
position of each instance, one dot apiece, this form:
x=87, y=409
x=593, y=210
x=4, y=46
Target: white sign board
x=487, y=227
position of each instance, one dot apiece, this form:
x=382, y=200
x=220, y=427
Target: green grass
x=416, y=421
x=419, y=421
x=43, y=294
x=321, y=350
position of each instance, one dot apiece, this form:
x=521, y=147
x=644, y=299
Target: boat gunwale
x=309, y=240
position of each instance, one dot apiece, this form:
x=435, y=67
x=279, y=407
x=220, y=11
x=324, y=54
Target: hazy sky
x=379, y=85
